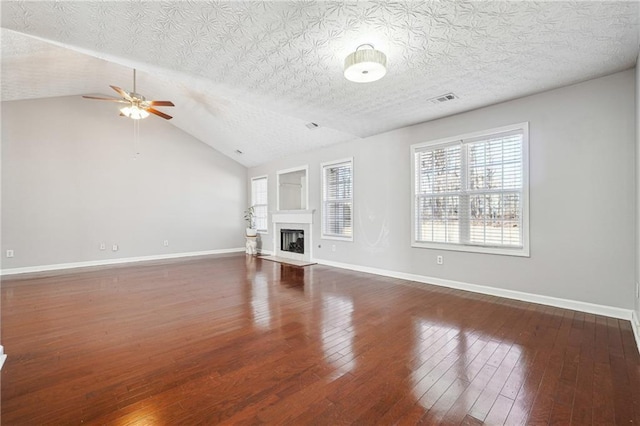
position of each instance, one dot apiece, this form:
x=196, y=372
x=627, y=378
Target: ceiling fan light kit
x=134, y=112
x=365, y=65
x=138, y=107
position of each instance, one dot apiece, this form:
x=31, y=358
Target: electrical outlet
x=166, y=243
x=114, y=247
x=9, y=253
x=103, y=246
x=439, y=260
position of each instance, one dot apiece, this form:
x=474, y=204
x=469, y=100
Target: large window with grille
x=337, y=200
x=471, y=192
x=259, y=202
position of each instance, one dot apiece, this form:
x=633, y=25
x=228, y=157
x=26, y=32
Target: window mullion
x=464, y=197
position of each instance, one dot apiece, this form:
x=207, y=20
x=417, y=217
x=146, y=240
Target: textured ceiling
x=250, y=75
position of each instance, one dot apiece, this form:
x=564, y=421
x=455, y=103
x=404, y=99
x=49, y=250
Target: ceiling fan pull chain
x=136, y=139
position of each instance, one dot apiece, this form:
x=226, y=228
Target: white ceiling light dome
x=365, y=65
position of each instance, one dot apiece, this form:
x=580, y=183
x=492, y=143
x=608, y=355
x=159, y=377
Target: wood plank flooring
x=238, y=340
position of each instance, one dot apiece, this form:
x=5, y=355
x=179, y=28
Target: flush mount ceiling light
x=365, y=65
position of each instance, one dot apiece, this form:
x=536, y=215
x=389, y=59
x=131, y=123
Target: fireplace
x=293, y=226
x=292, y=240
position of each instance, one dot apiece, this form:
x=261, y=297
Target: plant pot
x=251, y=232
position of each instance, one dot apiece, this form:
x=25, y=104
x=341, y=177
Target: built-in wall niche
x=293, y=189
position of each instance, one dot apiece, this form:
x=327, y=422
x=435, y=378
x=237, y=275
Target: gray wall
x=70, y=180
x=637, y=258
x=582, y=196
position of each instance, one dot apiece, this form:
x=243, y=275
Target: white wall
x=582, y=193
x=70, y=181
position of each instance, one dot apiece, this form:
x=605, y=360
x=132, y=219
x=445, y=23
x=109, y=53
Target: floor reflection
x=433, y=342
x=338, y=332
x=260, y=305
x=292, y=276
x=148, y=414
x=450, y=359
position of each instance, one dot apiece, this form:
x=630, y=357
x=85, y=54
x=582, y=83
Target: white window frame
x=323, y=168
x=516, y=251
x=253, y=204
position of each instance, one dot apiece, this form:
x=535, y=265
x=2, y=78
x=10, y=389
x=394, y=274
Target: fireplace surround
x=300, y=221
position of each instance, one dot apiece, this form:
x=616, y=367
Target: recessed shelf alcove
x=293, y=191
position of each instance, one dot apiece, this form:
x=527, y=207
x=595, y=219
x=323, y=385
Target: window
x=337, y=200
x=259, y=202
x=471, y=192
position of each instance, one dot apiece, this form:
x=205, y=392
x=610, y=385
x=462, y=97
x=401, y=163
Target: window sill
x=502, y=251
x=335, y=237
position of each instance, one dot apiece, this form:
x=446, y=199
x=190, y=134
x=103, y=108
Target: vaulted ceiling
x=249, y=75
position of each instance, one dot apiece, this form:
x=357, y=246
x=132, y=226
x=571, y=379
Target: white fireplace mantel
x=293, y=216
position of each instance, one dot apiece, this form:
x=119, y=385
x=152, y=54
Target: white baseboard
x=60, y=266
x=635, y=325
x=3, y=357
x=575, y=305
x=265, y=253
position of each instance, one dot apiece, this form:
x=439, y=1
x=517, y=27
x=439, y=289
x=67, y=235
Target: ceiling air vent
x=443, y=98
x=311, y=126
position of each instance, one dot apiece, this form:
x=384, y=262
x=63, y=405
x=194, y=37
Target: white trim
x=293, y=216
x=336, y=162
x=293, y=169
x=3, y=356
x=336, y=238
x=506, y=251
x=60, y=266
x=609, y=311
x=472, y=135
x=635, y=326
x=306, y=182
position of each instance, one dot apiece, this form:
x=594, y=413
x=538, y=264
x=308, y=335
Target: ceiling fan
x=137, y=106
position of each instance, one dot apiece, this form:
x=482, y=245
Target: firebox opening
x=292, y=240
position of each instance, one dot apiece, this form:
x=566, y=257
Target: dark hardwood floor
x=237, y=340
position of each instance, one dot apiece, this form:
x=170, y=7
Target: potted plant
x=249, y=216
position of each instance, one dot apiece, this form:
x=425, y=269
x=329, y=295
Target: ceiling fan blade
x=106, y=99
x=160, y=103
x=121, y=92
x=158, y=113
